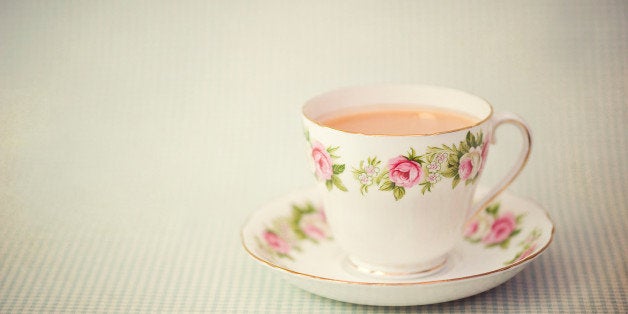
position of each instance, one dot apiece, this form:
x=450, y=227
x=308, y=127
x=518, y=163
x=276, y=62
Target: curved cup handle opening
x=497, y=120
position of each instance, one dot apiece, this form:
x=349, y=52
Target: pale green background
x=136, y=136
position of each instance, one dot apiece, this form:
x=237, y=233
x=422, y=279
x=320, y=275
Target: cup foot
x=417, y=271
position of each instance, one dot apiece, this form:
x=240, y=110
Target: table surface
x=136, y=136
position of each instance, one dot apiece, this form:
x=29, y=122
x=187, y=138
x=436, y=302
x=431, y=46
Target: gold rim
x=513, y=265
x=523, y=165
x=488, y=117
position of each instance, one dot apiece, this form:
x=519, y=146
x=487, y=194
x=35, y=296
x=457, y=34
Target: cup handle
x=497, y=120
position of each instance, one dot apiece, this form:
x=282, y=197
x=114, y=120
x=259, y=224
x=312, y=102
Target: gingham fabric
x=136, y=137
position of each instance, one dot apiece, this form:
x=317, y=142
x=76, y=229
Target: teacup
x=397, y=204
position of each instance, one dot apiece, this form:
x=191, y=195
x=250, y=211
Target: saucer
x=291, y=237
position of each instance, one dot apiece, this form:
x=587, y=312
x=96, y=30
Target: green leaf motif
x=357, y=173
x=514, y=233
x=493, y=209
x=298, y=232
x=387, y=186
x=504, y=244
x=442, y=161
x=526, y=244
x=411, y=153
x=297, y=214
x=472, y=140
x=464, y=148
x=306, y=133
x=449, y=172
x=455, y=181
x=413, y=156
x=373, y=161
x=380, y=177
x=308, y=209
x=338, y=169
x=338, y=183
x=331, y=150
x=452, y=159
x=427, y=186
x=329, y=185
x=399, y=192
x=364, y=189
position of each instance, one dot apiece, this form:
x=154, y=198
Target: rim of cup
x=399, y=95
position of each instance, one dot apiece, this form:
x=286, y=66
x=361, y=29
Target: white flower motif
x=365, y=179
x=434, y=166
x=441, y=157
x=434, y=177
x=371, y=170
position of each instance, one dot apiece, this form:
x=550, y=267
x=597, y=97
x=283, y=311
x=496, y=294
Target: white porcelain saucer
x=291, y=237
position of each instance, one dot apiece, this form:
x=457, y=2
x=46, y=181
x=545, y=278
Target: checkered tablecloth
x=136, y=136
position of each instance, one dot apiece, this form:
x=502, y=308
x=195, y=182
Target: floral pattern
x=404, y=171
x=368, y=173
x=324, y=167
x=528, y=246
x=286, y=234
x=495, y=229
x=458, y=163
x=492, y=228
x=461, y=163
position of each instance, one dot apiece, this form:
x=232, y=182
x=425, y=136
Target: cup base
x=416, y=271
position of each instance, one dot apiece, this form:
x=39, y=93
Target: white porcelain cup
x=397, y=204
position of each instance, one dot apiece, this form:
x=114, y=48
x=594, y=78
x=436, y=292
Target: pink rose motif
x=314, y=232
x=465, y=168
x=471, y=228
x=314, y=226
x=501, y=229
x=404, y=172
x=322, y=161
x=470, y=164
x=322, y=215
x=477, y=228
x=276, y=242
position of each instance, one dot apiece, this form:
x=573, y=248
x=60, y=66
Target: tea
x=397, y=120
